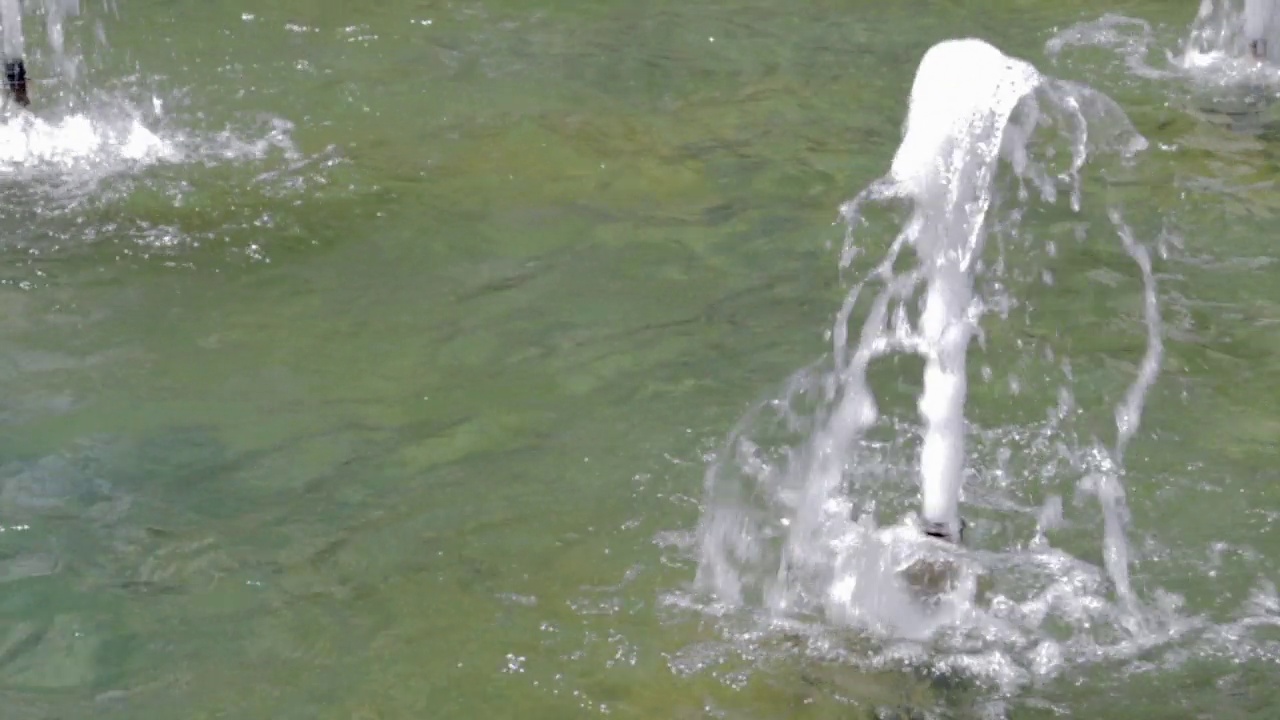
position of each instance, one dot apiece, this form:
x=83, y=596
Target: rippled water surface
x=368, y=360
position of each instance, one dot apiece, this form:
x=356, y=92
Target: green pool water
x=392, y=393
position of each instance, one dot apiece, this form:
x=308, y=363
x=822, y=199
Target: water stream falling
x=791, y=530
x=1261, y=24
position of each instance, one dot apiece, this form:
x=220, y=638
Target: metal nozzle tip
x=15, y=75
x=945, y=531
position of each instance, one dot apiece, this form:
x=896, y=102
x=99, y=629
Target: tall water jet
x=964, y=90
x=15, y=67
x=790, y=520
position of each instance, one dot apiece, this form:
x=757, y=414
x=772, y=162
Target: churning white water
x=804, y=524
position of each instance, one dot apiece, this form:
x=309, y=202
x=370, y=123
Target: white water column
x=11, y=29
x=946, y=332
x=963, y=95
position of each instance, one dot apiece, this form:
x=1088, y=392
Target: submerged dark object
x=944, y=531
x=15, y=76
x=1258, y=49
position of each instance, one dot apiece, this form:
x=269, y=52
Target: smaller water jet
x=791, y=520
x=1230, y=46
x=1226, y=70
x=1232, y=31
x=1261, y=22
x=963, y=90
x=15, y=68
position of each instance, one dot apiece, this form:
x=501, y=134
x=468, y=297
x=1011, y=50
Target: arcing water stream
x=807, y=526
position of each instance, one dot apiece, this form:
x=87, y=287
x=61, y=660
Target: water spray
x=792, y=502
x=961, y=100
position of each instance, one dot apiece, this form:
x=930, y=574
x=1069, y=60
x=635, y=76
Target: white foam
x=1261, y=19
x=28, y=141
x=1215, y=52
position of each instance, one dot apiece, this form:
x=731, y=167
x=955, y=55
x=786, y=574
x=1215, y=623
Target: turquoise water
x=382, y=381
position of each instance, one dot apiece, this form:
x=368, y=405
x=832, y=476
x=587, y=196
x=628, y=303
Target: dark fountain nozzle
x=15, y=76
x=946, y=531
x=1258, y=49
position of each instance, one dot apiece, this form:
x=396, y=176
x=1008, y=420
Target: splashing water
x=74, y=141
x=1234, y=45
x=1245, y=30
x=78, y=133
x=14, y=44
x=1230, y=44
x=789, y=529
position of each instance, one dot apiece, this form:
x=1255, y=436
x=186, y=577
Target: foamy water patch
x=799, y=523
x=28, y=142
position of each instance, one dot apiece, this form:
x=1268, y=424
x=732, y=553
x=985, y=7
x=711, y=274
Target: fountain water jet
x=790, y=523
x=963, y=90
x=1225, y=69
x=15, y=68
x=1260, y=23
x=1233, y=29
